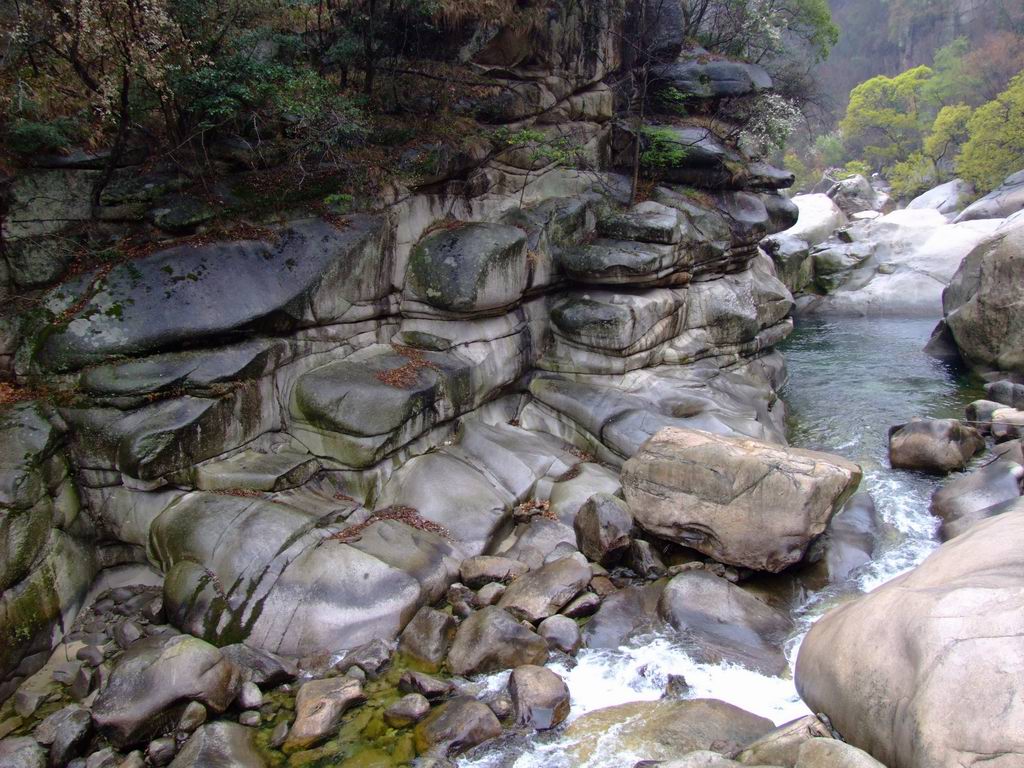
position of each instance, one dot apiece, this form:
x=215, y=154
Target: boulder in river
x=782, y=745
x=425, y=639
x=665, y=730
x=546, y=591
x=220, y=745
x=540, y=698
x=983, y=303
x=938, y=446
x=318, y=710
x=741, y=501
x=946, y=198
x=724, y=623
x=925, y=671
x=456, y=726
x=603, y=526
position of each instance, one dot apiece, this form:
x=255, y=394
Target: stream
x=849, y=381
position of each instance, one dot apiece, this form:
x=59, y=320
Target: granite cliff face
x=306, y=432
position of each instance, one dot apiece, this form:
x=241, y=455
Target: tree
x=995, y=147
x=886, y=118
x=954, y=80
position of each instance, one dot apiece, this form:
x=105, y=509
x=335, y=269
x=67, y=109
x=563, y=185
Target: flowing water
x=850, y=380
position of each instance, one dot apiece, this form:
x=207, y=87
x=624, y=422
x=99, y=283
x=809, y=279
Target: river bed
x=849, y=381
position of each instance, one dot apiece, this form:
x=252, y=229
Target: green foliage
x=28, y=137
x=661, y=149
x=910, y=177
x=829, y=150
x=886, y=118
x=855, y=168
x=953, y=81
x=995, y=147
x=949, y=133
x=805, y=175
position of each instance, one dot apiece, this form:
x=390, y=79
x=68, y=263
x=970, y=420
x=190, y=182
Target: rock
x=782, y=745
x=154, y=303
x=478, y=571
x=704, y=79
x=699, y=759
x=430, y=687
x=490, y=594
x=540, y=698
x=318, y=710
x=979, y=414
x=133, y=760
x=944, y=642
x=584, y=605
x=603, y=526
x=161, y=751
x=981, y=304
x=157, y=674
x=643, y=559
x=738, y=500
x=1002, y=202
x=220, y=745
x=647, y=222
x=193, y=716
x=251, y=719
x=104, y=758
x=66, y=732
x=628, y=611
x=180, y=214
x=126, y=633
x=492, y=640
x=545, y=592
x=473, y=268
x=456, y=726
x=408, y=710
x=831, y=753
x=427, y=637
x=966, y=499
x=372, y=657
x=561, y=633
x=260, y=667
x=939, y=446
x=21, y=752
x=722, y=622
x=250, y=696
x=854, y=195
x=847, y=544
x=665, y=730
x=946, y=198
x=1007, y=393
x=819, y=218
x=1007, y=424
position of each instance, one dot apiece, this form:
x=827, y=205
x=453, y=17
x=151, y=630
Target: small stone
x=584, y=605
x=489, y=594
x=462, y=600
x=603, y=526
x=372, y=657
x=431, y=687
x=153, y=612
x=603, y=586
x=318, y=710
x=105, y=758
x=501, y=706
x=456, y=726
x=278, y=735
x=9, y=726
x=133, y=760
x=66, y=732
x=161, y=751
x=356, y=674
x=644, y=560
x=250, y=718
x=250, y=696
x=126, y=633
x=193, y=716
x=65, y=673
x=676, y=687
x=561, y=633
x=425, y=639
x=83, y=684
x=264, y=668
x=91, y=655
x=408, y=710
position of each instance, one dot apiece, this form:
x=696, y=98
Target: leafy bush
x=995, y=147
x=661, y=149
x=28, y=137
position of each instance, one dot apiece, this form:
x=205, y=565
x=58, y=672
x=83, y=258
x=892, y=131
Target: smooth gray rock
x=629, y=611
x=260, y=667
x=484, y=569
x=159, y=674
x=854, y=195
x=492, y=640
x=966, y=499
x=540, y=698
x=946, y=644
x=847, y=544
x=21, y=752
x=782, y=745
x=562, y=634
x=711, y=79
x=722, y=622
x=1000, y=203
x=546, y=591
x=161, y=751
x=938, y=446
x=831, y=753
x=431, y=687
x=408, y=710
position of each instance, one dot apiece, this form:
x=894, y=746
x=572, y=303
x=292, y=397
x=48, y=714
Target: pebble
x=91, y=655
x=279, y=734
x=491, y=593
x=408, y=710
x=193, y=716
x=250, y=697
x=250, y=718
x=161, y=751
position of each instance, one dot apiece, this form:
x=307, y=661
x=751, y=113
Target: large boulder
x=456, y=726
x=739, y=500
x=724, y=623
x=854, y=195
x=1002, y=202
x=983, y=303
x=665, y=730
x=545, y=592
x=540, y=698
x=938, y=446
x=966, y=499
x=819, y=218
x=926, y=670
x=946, y=198
x=156, y=676
x=603, y=527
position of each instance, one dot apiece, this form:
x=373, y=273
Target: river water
x=849, y=381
